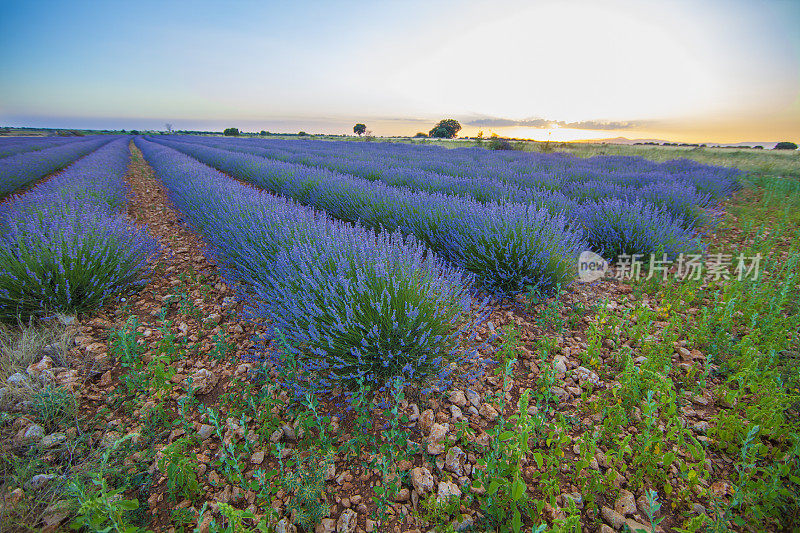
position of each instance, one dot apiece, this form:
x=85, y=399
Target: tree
x=446, y=129
x=302, y=134
x=168, y=126
x=263, y=133
x=786, y=145
x=359, y=129
x=231, y=132
x=420, y=134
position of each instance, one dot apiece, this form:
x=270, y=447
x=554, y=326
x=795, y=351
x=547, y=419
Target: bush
x=498, y=143
x=785, y=145
x=231, y=132
x=352, y=303
x=420, y=135
x=64, y=246
x=617, y=227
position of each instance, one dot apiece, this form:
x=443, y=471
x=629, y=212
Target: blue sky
x=713, y=70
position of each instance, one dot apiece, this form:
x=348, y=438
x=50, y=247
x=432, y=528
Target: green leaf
x=516, y=522
x=668, y=458
x=129, y=505
x=538, y=458
x=506, y=435
x=517, y=489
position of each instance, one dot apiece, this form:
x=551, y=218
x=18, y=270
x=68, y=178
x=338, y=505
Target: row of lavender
x=508, y=247
x=560, y=181
x=64, y=245
x=363, y=305
x=17, y=145
x=26, y=168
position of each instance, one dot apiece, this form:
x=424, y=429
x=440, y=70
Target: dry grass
x=22, y=345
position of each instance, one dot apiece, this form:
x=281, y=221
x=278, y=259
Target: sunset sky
x=716, y=71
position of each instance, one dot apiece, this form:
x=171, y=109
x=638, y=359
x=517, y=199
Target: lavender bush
x=25, y=168
x=509, y=247
x=63, y=245
x=353, y=304
x=615, y=227
x=17, y=145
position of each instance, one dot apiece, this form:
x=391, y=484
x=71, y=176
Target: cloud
x=497, y=122
x=601, y=125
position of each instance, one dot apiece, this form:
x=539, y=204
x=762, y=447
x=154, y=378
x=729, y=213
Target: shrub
x=25, y=168
x=785, y=145
x=231, y=132
x=352, y=303
x=617, y=227
x=498, y=143
x=63, y=246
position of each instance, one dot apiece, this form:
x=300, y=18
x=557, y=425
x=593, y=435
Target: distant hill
x=624, y=140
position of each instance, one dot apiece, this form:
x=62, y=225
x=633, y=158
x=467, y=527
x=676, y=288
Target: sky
x=691, y=71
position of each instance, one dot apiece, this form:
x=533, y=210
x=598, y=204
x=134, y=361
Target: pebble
x=421, y=480
x=53, y=439
x=18, y=379
x=347, y=522
x=474, y=398
x=34, y=432
x=626, y=503
x=38, y=481
x=205, y=431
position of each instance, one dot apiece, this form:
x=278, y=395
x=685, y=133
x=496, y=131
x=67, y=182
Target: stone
x=402, y=495
x=289, y=432
x=458, y=398
x=257, y=458
x=53, y=439
x=560, y=364
x=464, y=524
x=34, y=432
x=285, y=526
x=700, y=427
x=626, y=503
x=347, y=522
x=604, y=528
x=18, y=379
x=636, y=527
x=205, y=431
x=455, y=412
x=575, y=497
x=435, y=440
x=488, y=412
x=426, y=420
x=584, y=375
x=328, y=525
x=203, y=380
x=474, y=398
x=454, y=461
x=56, y=513
x=46, y=363
x=613, y=518
x=105, y=379
x=421, y=480
x=38, y=481
x=447, y=490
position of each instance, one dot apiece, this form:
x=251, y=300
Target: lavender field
x=305, y=335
